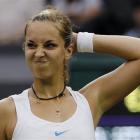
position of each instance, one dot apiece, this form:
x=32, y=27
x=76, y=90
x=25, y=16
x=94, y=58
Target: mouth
x=40, y=61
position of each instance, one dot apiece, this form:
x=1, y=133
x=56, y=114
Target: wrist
x=85, y=42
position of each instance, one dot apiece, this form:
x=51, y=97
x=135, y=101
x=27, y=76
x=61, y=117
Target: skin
x=46, y=65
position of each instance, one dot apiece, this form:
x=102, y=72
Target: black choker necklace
x=59, y=95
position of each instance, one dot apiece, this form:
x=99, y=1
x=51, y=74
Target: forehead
x=42, y=31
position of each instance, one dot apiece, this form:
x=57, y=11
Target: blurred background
x=121, y=17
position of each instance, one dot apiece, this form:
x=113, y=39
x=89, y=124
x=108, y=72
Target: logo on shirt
x=58, y=133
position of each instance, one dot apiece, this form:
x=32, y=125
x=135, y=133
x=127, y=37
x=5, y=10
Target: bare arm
x=6, y=115
x=111, y=88
x=3, y=118
x=122, y=46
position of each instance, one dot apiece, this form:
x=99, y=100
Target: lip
x=40, y=61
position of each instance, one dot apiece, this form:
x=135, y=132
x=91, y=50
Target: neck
x=45, y=89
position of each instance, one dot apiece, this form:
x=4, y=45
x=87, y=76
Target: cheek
x=28, y=57
x=28, y=53
x=59, y=59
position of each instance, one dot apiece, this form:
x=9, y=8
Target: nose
x=40, y=52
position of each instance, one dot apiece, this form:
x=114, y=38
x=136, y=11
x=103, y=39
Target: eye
x=31, y=45
x=50, y=45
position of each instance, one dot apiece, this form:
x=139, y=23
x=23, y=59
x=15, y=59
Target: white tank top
x=30, y=127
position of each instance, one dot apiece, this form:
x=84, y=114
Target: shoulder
x=6, y=108
x=5, y=104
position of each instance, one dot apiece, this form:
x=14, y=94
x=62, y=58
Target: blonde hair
x=61, y=22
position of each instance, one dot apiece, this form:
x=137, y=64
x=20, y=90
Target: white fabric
x=30, y=127
x=85, y=42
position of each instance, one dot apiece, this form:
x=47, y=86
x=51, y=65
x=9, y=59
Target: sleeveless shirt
x=30, y=127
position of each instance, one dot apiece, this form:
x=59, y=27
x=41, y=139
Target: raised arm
x=123, y=46
x=111, y=88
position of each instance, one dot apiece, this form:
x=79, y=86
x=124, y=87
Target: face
x=44, y=50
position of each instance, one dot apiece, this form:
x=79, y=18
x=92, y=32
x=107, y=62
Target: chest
x=58, y=110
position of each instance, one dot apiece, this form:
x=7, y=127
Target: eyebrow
x=30, y=41
x=48, y=41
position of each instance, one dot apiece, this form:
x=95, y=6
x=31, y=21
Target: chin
x=42, y=76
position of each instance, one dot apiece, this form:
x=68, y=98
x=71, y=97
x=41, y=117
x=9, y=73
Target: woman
x=50, y=109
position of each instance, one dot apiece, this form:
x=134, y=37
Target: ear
x=68, y=51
